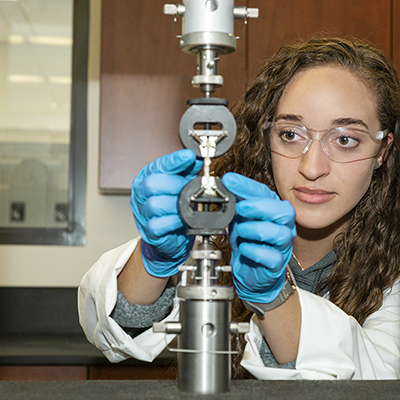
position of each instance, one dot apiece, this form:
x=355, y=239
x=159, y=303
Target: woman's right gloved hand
x=261, y=236
x=154, y=202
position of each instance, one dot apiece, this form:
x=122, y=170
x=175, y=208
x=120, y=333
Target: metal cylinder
x=208, y=24
x=208, y=16
x=208, y=62
x=204, y=361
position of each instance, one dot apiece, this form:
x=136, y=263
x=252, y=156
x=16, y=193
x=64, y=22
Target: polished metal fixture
x=207, y=207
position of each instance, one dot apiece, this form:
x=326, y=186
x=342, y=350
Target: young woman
x=315, y=168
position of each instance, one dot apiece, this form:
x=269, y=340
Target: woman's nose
x=315, y=163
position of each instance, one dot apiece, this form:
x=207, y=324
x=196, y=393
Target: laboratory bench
x=168, y=390
x=44, y=354
x=71, y=357
x=41, y=339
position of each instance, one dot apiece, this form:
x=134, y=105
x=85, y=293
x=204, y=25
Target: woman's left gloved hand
x=261, y=236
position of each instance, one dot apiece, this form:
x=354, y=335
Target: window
x=43, y=100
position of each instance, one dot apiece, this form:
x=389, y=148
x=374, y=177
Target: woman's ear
x=384, y=150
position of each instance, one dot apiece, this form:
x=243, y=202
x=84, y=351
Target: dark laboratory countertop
x=40, y=326
x=166, y=390
x=60, y=349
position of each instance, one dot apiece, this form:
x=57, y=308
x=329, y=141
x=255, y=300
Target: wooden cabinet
x=43, y=373
x=116, y=372
x=281, y=22
x=82, y=373
x=146, y=79
x=145, y=83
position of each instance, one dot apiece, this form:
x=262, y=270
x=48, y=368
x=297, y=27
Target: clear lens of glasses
x=342, y=144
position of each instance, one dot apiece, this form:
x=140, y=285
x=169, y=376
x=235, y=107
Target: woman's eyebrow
x=289, y=117
x=338, y=121
x=349, y=121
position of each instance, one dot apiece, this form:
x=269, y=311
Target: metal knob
x=242, y=12
x=174, y=9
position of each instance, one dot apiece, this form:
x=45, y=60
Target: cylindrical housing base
x=206, y=368
x=208, y=16
x=208, y=24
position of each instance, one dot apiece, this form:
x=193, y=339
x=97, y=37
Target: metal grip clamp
x=218, y=130
x=209, y=129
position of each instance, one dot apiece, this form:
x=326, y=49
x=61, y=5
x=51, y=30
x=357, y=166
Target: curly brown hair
x=368, y=251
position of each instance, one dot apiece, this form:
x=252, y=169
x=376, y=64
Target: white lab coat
x=332, y=344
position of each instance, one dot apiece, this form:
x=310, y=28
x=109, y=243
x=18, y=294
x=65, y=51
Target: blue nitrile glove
x=261, y=236
x=154, y=203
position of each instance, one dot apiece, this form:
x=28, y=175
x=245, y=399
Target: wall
x=109, y=219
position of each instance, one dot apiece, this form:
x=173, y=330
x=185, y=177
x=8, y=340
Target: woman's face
x=322, y=191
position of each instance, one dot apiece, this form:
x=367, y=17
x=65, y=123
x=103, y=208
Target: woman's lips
x=313, y=196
